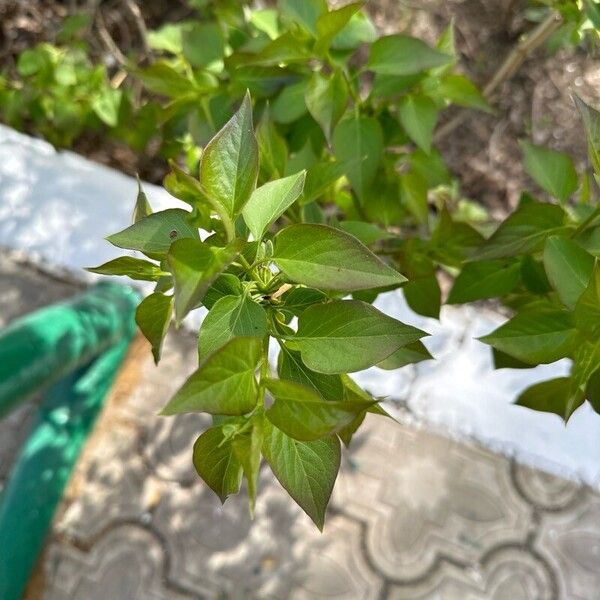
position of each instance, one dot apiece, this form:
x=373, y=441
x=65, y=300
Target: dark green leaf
x=272, y=147
x=326, y=100
x=292, y=368
x=327, y=258
x=153, y=317
x=524, y=231
x=298, y=299
x=224, y=384
x=404, y=55
x=424, y=296
x=535, y=337
x=548, y=396
x=411, y=354
x=413, y=190
x=587, y=309
x=307, y=470
x=418, y=115
x=270, y=201
x=569, y=268
x=358, y=142
x=127, y=266
x=290, y=104
x=225, y=284
x=349, y=335
x=304, y=415
x=319, y=178
x=195, y=266
x=217, y=464
x=231, y=316
x=247, y=447
x=155, y=233
x=229, y=165
x=484, y=279
x=553, y=171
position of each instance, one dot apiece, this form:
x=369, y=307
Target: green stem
x=588, y=221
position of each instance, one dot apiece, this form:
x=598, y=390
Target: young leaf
x=553, y=171
x=127, y=266
x=155, y=233
x=229, y=164
x=291, y=368
x=247, y=448
x=460, y=90
x=270, y=201
x=548, y=396
x=358, y=142
x=153, y=317
x=304, y=415
x=535, y=337
x=330, y=23
x=569, y=268
x=411, y=354
x=349, y=335
x=326, y=100
x=418, y=115
x=231, y=316
x=217, y=464
x=524, y=230
x=484, y=279
x=327, y=258
x=307, y=470
x=142, y=206
x=195, y=265
x=591, y=123
x=404, y=55
x=224, y=384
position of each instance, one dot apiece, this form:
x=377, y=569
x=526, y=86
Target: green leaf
x=329, y=24
x=290, y=104
x=411, y=354
x=153, y=316
x=225, y=284
x=247, y=448
x=167, y=37
x=569, y=268
x=413, y=190
x=587, y=309
x=327, y=258
x=188, y=189
x=535, y=337
x=229, y=164
x=484, y=279
x=553, y=171
x=203, y=44
x=107, y=104
x=270, y=201
x=349, y=335
x=359, y=30
x=326, y=100
x=459, y=90
x=548, y=396
x=304, y=415
x=367, y=233
x=231, y=316
x=195, y=265
x=224, y=384
x=592, y=391
x=142, y=206
x=272, y=147
x=524, y=231
x=286, y=49
x=358, y=142
x=127, y=266
x=304, y=12
x=418, y=115
x=291, y=368
x=424, y=296
x=161, y=78
x=307, y=470
x=319, y=178
x=591, y=123
x=217, y=464
x=404, y=55
x=300, y=298
x=155, y=233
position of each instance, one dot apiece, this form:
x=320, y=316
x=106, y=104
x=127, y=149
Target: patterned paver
x=414, y=515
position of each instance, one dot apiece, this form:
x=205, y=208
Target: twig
x=108, y=41
x=135, y=11
x=511, y=64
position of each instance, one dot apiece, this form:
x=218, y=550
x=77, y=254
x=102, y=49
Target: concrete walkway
x=414, y=515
